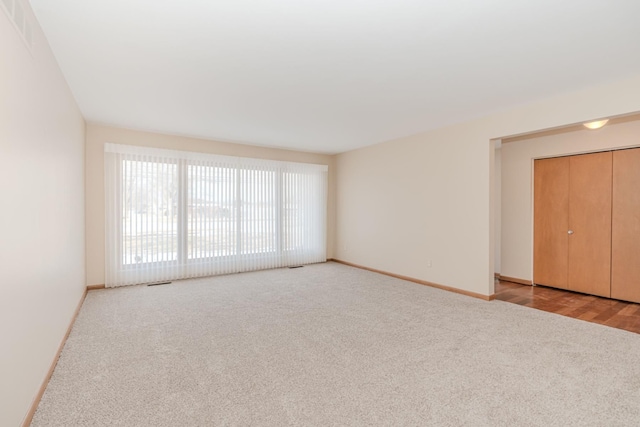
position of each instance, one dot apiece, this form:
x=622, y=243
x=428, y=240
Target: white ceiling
x=329, y=75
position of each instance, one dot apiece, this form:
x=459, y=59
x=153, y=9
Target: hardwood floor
x=614, y=313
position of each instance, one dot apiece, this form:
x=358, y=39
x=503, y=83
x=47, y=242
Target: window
x=149, y=227
x=173, y=214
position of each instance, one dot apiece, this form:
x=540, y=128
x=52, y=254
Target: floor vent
x=159, y=283
x=17, y=15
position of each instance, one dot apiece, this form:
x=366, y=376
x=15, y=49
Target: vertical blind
x=173, y=214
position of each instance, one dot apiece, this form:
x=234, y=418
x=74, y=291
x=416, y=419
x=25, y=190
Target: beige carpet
x=332, y=345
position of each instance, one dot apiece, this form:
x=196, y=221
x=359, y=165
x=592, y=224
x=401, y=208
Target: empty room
x=311, y=213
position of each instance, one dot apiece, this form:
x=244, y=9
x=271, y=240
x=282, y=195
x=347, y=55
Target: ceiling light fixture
x=595, y=125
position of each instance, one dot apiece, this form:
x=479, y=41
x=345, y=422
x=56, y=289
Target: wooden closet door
x=550, y=224
x=590, y=179
x=625, y=257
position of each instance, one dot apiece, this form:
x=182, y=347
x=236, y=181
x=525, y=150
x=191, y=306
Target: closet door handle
x=570, y=232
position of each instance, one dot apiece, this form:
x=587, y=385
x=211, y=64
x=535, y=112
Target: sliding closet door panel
x=590, y=180
x=625, y=259
x=551, y=203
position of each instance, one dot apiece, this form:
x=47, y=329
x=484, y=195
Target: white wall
x=497, y=212
x=429, y=197
x=41, y=215
x=405, y=203
x=517, y=162
x=98, y=135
